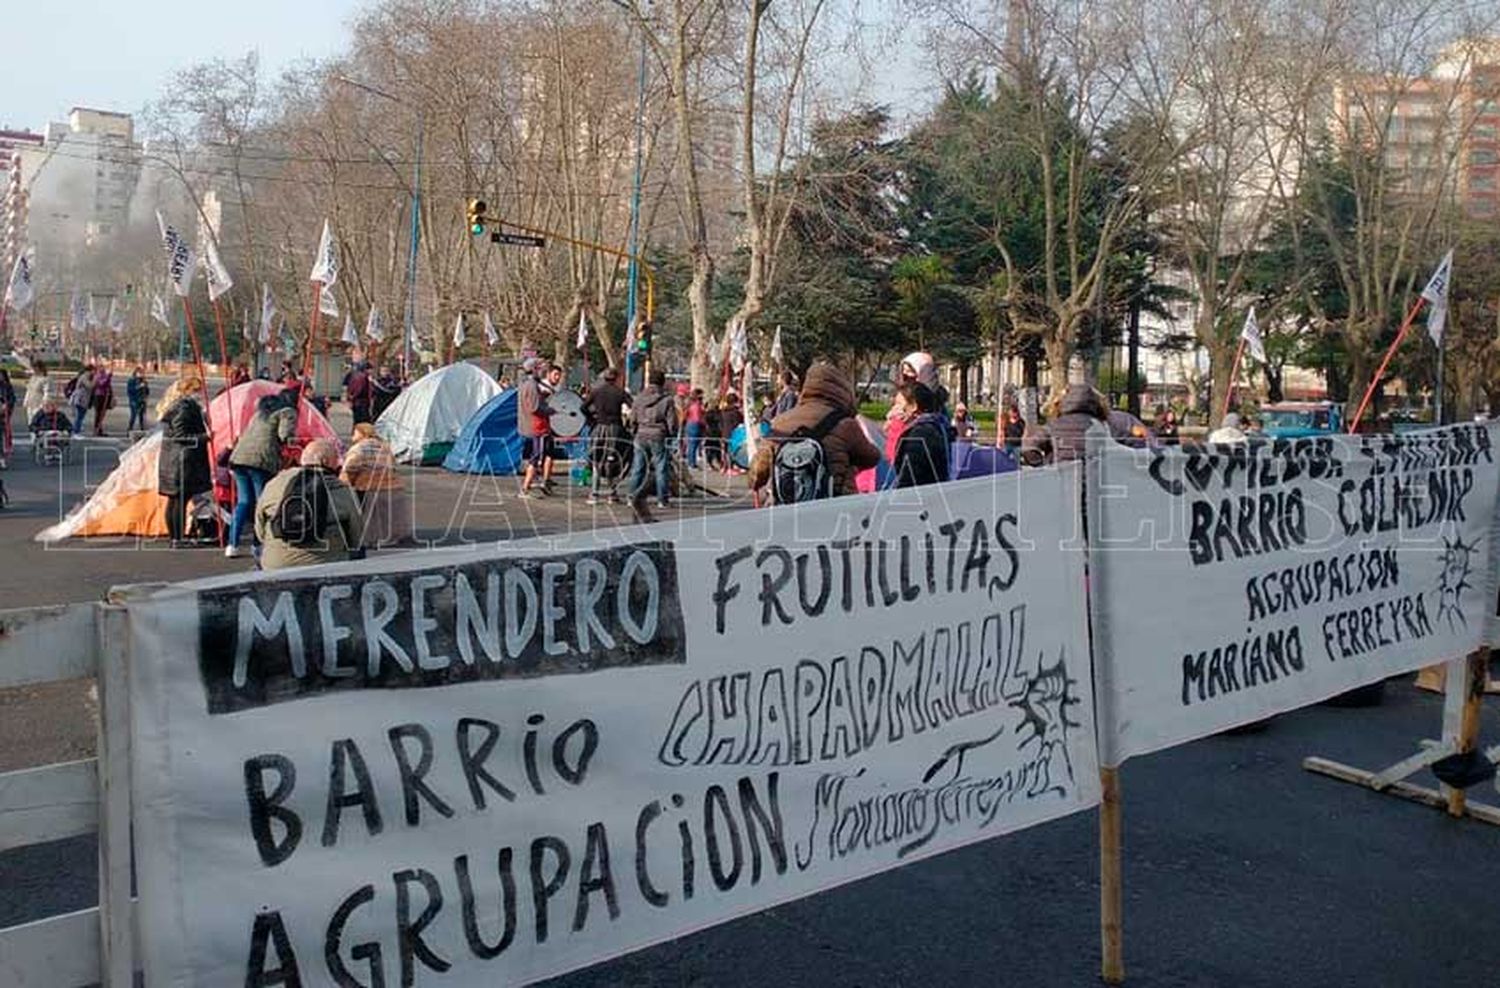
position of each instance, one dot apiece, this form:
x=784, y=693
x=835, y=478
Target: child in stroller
x=51, y=434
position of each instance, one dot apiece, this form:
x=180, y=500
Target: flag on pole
x=739, y=346
x=327, y=304
x=326, y=268
x=350, y=335
x=267, y=314
x=179, y=257
x=245, y=329
x=93, y=315
x=116, y=318
x=583, y=331
x=214, y=270
x=375, y=326
x=1436, y=293
x=778, y=357
x=1251, y=335
x=491, y=337
x=19, y=291
x=78, y=312
x=159, y=310
x=715, y=352
x=458, y=331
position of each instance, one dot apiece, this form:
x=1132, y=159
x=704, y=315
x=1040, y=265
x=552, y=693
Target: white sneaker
x=234, y=552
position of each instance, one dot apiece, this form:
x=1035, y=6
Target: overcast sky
x=118, y=54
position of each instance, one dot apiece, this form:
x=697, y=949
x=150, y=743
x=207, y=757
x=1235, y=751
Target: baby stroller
x=49, y=447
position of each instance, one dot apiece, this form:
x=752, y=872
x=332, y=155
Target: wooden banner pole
x=1380, y=374
x=1111, y=885
x=1464, y=734
x=312, y=328
x=187, y=312
x=1234, y=373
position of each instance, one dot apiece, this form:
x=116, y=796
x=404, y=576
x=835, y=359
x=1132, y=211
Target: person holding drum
x=607, y=446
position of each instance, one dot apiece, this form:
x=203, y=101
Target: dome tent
x=489, y=442
x=422, y=424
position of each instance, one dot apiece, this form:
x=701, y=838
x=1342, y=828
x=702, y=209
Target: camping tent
x=423, y=422
x=489, y=442
x=125, y=504
x=232, y=410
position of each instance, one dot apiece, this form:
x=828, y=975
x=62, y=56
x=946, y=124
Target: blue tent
x=489, y=442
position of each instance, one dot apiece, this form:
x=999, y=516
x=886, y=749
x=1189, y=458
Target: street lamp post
x=409, y=316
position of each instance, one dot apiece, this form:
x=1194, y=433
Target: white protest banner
x=214, y=270
x=1239, y=581
x=19, y=291
x=180, y=259
x=506, y=762
x=326, y=265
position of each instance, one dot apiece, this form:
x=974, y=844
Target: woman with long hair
x=183, y=470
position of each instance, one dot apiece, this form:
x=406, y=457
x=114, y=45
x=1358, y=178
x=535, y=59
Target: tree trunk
x=1361, y=372
x=1059, y=356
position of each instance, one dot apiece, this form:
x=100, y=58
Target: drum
x=567, y=419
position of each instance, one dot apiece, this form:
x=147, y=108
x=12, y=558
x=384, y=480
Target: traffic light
x=643, y=339
x=477, y=217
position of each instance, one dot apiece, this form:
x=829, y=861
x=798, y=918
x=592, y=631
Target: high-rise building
x=13, y=186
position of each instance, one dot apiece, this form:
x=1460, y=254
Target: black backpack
x=303, y=516
x=799, y=469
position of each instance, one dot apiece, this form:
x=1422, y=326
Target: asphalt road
x=1240, y=868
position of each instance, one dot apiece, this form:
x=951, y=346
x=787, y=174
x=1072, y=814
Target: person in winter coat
x=81, y=398
x=731, y=417
x=383, y=390
x=655, y=414
x=38, y=390
x=786, y=401
x=1013, y=428
x=922, y=454
x=1165, y=428
x=103, y=397
x=1229, y=431
x=965, y=429
x=846, y=449
x=1080, y=408
x=256, y=458
x=370, y=472
x=533, y=423
x=605, y=409
x=920, y=367
x=137, y=390
x=341, y=531
x=359, y=391
x=183, y=470
x=694, y=422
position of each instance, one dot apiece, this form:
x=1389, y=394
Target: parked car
x=1296, y=419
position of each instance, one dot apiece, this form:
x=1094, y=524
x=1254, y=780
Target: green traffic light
x=477, y=229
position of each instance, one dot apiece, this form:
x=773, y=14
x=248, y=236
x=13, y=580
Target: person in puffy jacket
x=256, y=458
x=1080, y=408
x=922, y=453
x=341, y=530
x=183, y=469
x=655, y=414
x=846, y=448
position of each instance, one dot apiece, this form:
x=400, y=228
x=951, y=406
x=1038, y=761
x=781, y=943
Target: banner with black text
x=494, y=764
x=1233, y=582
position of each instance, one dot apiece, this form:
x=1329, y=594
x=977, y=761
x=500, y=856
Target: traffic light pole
x=410, y=320
x=635, y=202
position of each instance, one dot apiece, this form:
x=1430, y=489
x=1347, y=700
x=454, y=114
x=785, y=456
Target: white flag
x=179, y=257
x=78, y=313
x=214, y=270
x=583, y=330
x=1436, y=293
x=116, y=319
x=491, y=337
x=159, y=310
x=777, y=356
x=245, y=329
x=739, y=347
x=327, y=304
x=93, y=315
x=715, y=352
x=458, y=331
x=1251, y=335
x=19, y=292
x=375, y=326
x=350, y=335
x=267, y=314
x=326, y=267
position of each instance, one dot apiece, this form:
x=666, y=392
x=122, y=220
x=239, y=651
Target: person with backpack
x=80, y=393
x=922, y=451
x=655, y=414
x=815, y=450
x=256, y=458
x=307, y=515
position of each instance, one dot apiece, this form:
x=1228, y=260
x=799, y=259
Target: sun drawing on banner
x=1043, y=704
x=1453, y=580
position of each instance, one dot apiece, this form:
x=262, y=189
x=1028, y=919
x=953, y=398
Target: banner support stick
x=1111, y=886
x=1380, y=374
x=223, y=350
x=1234, y=373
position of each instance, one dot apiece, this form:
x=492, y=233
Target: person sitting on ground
x=825, y=406
x=1229, y=431
x=49, y=418
x=370, y=472
x=965, y=429
x=922, y=454
x=256, y=458
x=307, y=515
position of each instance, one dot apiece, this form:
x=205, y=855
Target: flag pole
x=312, y=328
x=1437, y=417
x=1389, y=353
x=1234, y=373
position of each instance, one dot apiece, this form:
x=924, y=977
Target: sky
x=119, y=54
